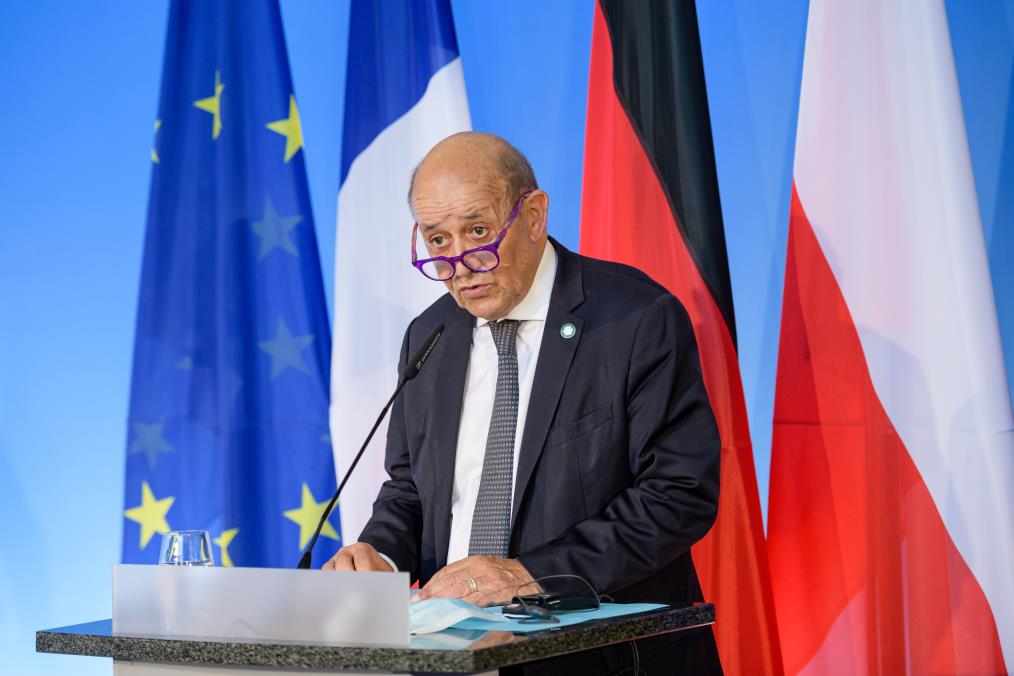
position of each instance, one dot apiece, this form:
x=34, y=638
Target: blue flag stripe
x=389, y=69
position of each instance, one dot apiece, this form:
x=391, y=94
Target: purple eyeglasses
x=481, y=259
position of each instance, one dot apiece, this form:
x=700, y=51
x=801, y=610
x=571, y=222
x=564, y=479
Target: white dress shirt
x=480, y=389
x=477, y=401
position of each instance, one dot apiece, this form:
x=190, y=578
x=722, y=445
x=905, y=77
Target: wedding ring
x=471, y=585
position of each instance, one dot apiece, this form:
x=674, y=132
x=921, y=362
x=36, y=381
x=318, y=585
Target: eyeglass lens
x=476, y=261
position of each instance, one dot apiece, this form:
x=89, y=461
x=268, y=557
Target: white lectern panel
x=308, y=606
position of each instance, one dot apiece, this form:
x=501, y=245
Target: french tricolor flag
x=891, y=518
x=404, y=92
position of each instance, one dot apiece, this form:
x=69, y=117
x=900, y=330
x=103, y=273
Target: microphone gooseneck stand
x=410, y=372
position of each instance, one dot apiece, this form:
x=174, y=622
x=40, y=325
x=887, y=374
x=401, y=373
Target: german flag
x=650, y=199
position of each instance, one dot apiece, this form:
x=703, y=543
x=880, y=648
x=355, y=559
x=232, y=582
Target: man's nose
x=460, y=269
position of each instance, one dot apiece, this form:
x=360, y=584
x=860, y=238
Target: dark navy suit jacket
x=618, y=467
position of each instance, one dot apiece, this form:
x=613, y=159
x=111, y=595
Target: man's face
x=457, y=212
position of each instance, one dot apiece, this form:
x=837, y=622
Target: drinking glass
x=186, y=548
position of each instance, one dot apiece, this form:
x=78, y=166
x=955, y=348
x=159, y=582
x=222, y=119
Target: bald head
x=480, y=156
x=476, y=191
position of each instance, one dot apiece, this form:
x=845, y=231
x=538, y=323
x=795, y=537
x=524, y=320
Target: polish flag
x=891, y=518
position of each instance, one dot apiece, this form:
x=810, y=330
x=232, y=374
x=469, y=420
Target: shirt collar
x=535, y=304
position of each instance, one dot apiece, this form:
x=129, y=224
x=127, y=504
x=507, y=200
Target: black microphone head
x=422, y=354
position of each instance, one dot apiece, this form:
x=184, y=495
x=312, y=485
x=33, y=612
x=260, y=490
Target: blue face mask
x=433, y=615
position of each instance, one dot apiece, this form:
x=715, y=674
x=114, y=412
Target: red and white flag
x=891, y=516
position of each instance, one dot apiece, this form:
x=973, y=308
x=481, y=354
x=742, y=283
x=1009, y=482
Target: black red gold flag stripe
x=658, y=78
x=651, y=200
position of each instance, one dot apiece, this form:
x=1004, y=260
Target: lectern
x=225, y=621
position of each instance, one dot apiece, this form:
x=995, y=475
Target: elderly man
x=560, y=427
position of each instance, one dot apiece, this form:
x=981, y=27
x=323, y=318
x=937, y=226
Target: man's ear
x=536, y=208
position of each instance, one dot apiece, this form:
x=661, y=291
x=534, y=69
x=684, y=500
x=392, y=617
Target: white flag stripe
x=890, y=195
x=377, y=291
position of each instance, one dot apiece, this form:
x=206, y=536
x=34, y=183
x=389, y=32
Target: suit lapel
x=559, y=343
x=446, y=414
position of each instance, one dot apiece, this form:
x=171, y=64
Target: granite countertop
x=449, y=651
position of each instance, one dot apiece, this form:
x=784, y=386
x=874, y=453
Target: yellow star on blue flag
x=291, y=129
x=274, y=230
x=154, y=148
x=307, y=515
x=150, y=514
x=286, y=350
x=213, y=105
x=223, y=541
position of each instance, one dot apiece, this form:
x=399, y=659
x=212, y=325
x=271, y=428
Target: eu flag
x=228, y=410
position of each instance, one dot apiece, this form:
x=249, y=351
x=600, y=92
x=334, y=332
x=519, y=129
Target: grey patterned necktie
x=491, y=519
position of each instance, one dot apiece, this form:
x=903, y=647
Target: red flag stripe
x=869, y=580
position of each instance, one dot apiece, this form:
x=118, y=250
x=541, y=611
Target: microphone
x=410, y=371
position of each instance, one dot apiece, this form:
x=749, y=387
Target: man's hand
x=482, y=580
x=359, y=556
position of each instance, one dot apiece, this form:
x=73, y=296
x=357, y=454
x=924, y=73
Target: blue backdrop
x=81, y=85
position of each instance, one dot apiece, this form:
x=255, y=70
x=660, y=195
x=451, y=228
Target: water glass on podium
x=186, y=548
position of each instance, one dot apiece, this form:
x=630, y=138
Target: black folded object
x=549, y=602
